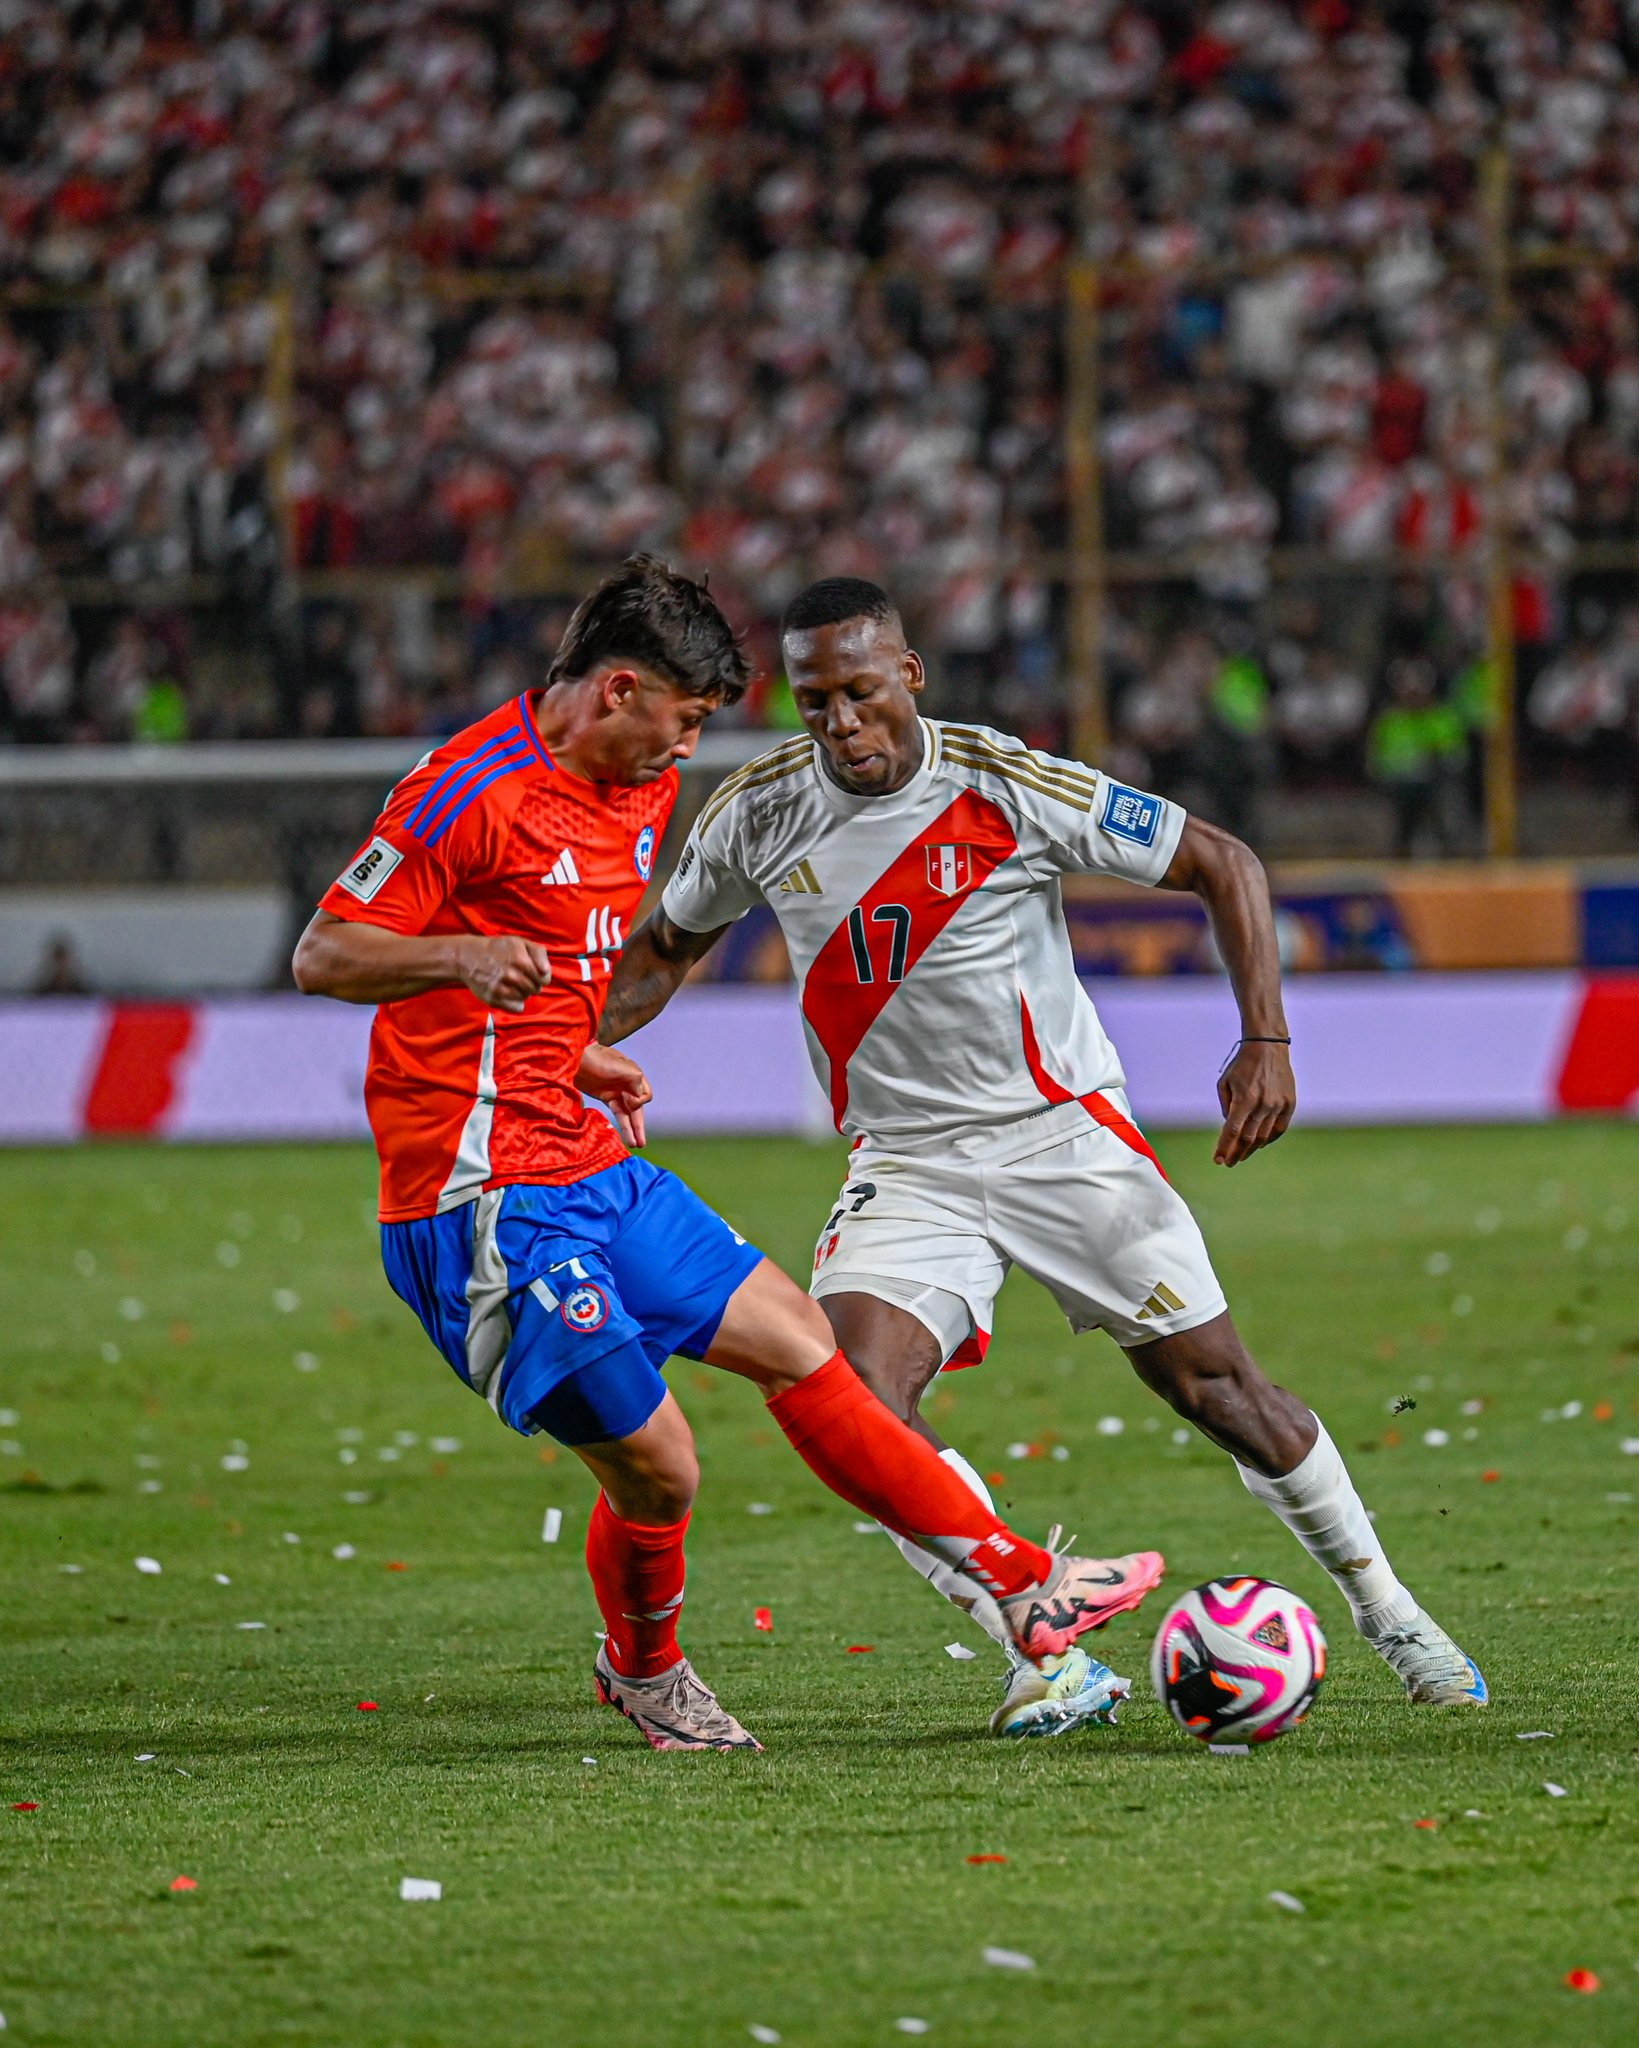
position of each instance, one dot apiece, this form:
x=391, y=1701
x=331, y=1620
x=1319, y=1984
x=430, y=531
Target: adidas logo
x=802, y=881
x=1162, y=1301
x=563, y=872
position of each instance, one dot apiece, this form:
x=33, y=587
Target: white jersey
x=926, y=928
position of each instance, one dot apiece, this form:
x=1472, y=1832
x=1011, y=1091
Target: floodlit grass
x=154, y=1304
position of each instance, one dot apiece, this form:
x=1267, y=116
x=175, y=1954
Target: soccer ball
x=1238, y=1660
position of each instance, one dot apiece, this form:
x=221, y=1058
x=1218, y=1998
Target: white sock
x=956, y=1586
x=1318, y=1503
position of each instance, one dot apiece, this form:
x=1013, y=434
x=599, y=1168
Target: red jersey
x=489, y=835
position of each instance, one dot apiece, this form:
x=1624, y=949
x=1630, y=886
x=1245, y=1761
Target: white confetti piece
x=1018, y=1450
x=763, y=2033
x=1554, y=1791
x=250, y=1624
x=445, y=1446
x=1436, y=1439
x=1472, y=1813
x=235, y=1461
x=1617, y=1500
x=909, y=2025
x=228, y=1254
x=344, y=1551
x=305, y=1361
x=85, y=1264
x=1060, y=1453
x=552, y=1527
x=290, y=1536
x=1229, y=1749
x=1488, y=1221
x=1630, y=1447
x=1008, y=1959
x=145, y=1486
x=960, y=1653
x=358, y=1500
x=1437, y=1264
x=145, y=1461
x=221, y=1578
x=9, y=1419
x=73, y=1570
x=1535, y=1735
x=406, y=1439
x=759, y=1507
x=132, y=1309
x=1473, y=1407
x=286, y=1300
x=146, y=1757
x=588, y=1759
x=1576, y=1237
x=347, y=1455
x=1287, y=1903
x=1180, y=1436
x=420, y=1888
x=867, y=1528
x=1571, y=1410
x=1110, y=1425
x=110, y=1354
x=149, y=1566
x=349, y=1436
x=389, y=1454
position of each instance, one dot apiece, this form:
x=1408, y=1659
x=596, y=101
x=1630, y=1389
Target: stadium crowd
x=501, y=291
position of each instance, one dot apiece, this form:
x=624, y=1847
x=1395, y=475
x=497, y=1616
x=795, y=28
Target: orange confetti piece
x=1490, y=1477
x=26, y=1806
x=763, y=1618
x=995, y=1478
x=1603, y=1411
x=861, y=1649
x=1581, y=1980
x=397, y=1565
x=987, y=1859
x=368, y=1707
x=184, y=1884
x=1425, y=1823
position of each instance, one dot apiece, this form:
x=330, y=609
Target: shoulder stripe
x=977, y=741
x=448, y=776
x=432, y=829
x=1027, y=773
x=530, y=734
x=767, y=768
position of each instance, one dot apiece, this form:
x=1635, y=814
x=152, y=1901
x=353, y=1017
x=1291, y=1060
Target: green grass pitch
x=153, y=1305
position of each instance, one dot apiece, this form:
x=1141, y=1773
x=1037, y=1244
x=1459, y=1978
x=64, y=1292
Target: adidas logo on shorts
x=1162, y=1302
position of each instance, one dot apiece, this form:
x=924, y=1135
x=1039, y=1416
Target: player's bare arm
x=1256, y=1090
x=365, y=963
x=651, y=971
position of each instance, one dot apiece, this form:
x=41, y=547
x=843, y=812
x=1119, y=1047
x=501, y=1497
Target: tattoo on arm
x=652, y=969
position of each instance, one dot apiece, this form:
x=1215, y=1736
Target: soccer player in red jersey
x=554, y=1271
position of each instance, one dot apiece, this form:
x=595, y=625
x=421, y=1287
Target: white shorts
x=1092, y=1217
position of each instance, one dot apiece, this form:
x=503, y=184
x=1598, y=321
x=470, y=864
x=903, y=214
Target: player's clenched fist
x=504, y=973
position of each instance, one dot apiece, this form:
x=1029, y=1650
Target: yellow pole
x=1501, y=752
x=1089, y=712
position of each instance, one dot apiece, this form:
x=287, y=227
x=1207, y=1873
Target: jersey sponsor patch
x=365, y=877
x=950, y=869
x=643, y=853
x=585, y=1308
x=1130, y=814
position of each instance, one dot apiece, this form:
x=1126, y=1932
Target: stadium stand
x=339, y=344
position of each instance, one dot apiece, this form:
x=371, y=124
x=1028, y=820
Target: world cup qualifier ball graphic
x=1238, y=1660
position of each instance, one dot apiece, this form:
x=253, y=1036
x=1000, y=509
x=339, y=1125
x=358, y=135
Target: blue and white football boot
x=1058, y=1694
x=1435, y=1672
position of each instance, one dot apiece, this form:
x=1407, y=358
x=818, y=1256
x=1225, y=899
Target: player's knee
x=1197, y=1371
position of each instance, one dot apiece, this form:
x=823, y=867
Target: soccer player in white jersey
x=915, y=869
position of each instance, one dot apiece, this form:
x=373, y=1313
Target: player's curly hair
x=652, y=614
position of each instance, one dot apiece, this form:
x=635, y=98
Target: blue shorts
x=560, y=1304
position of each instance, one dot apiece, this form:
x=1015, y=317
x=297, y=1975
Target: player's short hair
x=649, y=613
x=835, y=598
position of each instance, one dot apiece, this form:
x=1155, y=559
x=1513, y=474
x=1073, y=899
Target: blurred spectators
x=494, y=293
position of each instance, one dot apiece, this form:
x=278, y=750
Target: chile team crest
x=586, y=1309
x=950, y=869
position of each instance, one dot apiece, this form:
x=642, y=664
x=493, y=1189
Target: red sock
x=637, y=1575
x=861, y=1449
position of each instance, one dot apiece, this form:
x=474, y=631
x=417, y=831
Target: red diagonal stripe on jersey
x=1099, y=1107
x=1601, y=1069
x=135, y=1076
x=841, y=1008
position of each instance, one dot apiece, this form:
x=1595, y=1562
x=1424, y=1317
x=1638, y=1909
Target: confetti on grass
x=1535, y=1735
x=369, y=1707
x=1581, y=1980
x=150, y=1567
x=184, y=1884
x=763, y=1618
x=960, y=1652
x=552, y=1527
x=763, y=2033
x=414, y=1888
x=1554, y=1791
x=910, y=2025
x=1008, y=1959
x=1287, y=1903
x=987, y=1859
